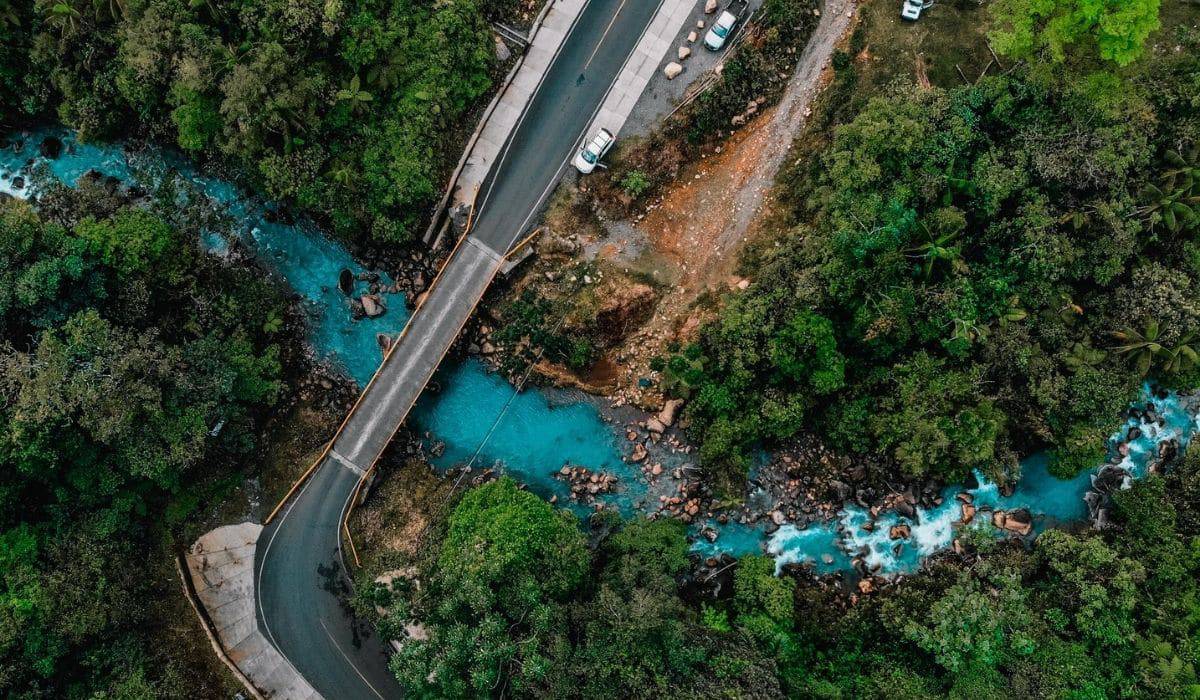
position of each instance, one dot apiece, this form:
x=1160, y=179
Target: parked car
x=911, y=9
x=591, y=153
x=720, y=31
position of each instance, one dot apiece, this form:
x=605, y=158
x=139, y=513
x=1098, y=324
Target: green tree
x=495, y=610
x=635, y=631
x=1093, y=586
x=43, y=269
x=135, y=242
x=805, y=351
x=975, y=627
x=936, y=422
x=353, y=95
x=1115, y=30
x=763, y=602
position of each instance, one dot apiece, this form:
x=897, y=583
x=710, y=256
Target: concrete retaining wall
x=221, y=568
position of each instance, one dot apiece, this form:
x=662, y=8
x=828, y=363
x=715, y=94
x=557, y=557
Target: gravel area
x=662, y=95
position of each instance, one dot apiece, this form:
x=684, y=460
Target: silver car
x=720, y=31
x=591, y=153
x=911, y=9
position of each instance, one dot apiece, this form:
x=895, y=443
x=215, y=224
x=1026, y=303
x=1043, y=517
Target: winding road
x=298, y=566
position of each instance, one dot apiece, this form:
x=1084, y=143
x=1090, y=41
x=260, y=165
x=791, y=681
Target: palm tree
x=1145, y=346
x=61, y=15
x=8, y=14
x=1182, y=356
x=229, y=56
x=1187, y=166
x=205, y=4
x=937, y=250
x=386, y=74
x=1015, y=313
x=1174, y=206
x=968, y=330
x=1175, y=198
x=341, y=174
x=355, y=95
x=115, y=8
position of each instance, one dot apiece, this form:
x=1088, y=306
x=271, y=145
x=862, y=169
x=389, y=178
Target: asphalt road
x=552, y=128
x=300, y=579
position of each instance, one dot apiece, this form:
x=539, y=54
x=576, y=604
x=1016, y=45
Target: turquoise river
x=479, y=417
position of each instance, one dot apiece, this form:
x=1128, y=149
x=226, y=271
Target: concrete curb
x=189, y=592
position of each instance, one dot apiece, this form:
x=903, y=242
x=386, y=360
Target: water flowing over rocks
x=585, y=484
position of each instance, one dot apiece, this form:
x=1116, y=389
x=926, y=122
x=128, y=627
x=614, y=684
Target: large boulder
x=459, y=216
x=502, y=51
x=51, y=148
x=669, y=411
x=1019, y=522
x=346, y=281
x=672, y=70
x=372, y=305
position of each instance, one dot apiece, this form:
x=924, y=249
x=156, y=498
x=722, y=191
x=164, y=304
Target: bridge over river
x=295, y=609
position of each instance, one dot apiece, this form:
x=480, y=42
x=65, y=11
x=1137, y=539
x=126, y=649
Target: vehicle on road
x=720, y=31
x=911, y=9
x=589, y=156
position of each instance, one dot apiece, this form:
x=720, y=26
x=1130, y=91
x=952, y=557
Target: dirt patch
x=709, y=212
x=690, y=224
x=597, y=383
x=608, y=310
x=297, y=440
x=397, y=513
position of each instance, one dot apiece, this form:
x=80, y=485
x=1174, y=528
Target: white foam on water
x=1048, y=499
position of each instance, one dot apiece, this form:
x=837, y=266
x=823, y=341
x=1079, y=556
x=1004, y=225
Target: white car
x=911, y=9
x=592, y=151
x=720, y=31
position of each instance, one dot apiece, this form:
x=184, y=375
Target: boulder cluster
x=1115, y=476
x=586, y=484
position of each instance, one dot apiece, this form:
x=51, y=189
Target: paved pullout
x=298, y=560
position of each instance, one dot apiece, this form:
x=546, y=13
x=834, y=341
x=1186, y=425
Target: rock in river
x=51, y=148
x=667, y=415
x=346, y=281
x=373, y=305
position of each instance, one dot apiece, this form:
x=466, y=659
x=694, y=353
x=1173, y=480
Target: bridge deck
x=417, y=354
